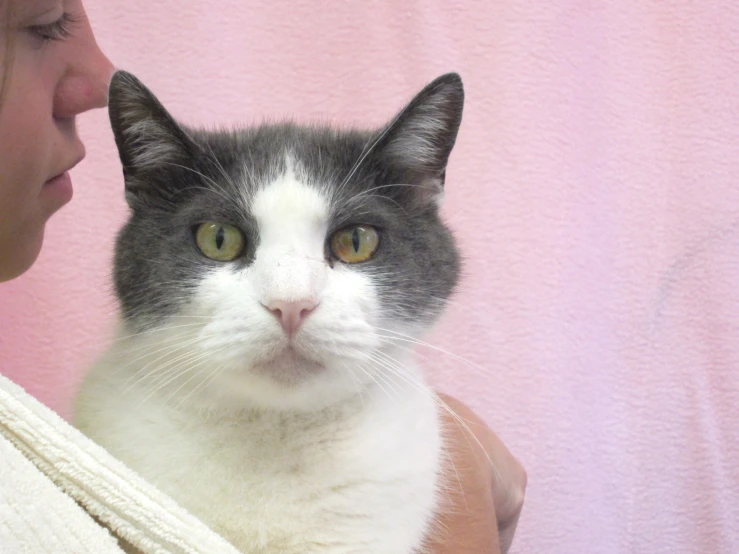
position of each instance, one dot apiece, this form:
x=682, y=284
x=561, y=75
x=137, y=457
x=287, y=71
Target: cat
x=271, y=281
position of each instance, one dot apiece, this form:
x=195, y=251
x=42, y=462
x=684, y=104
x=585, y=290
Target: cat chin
x=289, y=368
x=274, y=387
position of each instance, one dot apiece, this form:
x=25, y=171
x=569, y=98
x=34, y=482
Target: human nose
x=84, y=86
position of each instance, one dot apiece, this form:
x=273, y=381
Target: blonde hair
x=7, y=57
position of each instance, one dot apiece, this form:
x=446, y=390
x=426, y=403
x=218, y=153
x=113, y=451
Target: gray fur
x=177, y=177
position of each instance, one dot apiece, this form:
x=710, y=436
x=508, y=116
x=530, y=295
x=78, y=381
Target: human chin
x=18, y=257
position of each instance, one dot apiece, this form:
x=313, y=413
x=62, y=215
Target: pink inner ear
x=419, y=140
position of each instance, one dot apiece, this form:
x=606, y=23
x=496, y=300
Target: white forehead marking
x=290, y=213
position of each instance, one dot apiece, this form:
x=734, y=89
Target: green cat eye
x=355, y=244
x=219, y=241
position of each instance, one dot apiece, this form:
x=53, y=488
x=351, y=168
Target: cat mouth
x=289, y=366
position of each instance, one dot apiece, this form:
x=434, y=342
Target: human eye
x=60, y=29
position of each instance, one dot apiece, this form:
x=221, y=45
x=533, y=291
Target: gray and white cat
x=271, y=281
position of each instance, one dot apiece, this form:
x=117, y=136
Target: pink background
x=594, y=192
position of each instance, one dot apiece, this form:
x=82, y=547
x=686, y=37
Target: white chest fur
x=357, y=478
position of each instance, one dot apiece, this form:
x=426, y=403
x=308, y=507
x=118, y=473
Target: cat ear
x=416, y=145
x=150, y=142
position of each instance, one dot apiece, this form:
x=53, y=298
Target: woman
x=52, y=71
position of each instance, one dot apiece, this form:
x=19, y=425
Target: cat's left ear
x=415, y=147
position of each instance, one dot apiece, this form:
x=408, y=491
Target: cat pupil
x=219, y=238
x=355, y=240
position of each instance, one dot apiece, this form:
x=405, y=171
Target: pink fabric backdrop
x=594, y=191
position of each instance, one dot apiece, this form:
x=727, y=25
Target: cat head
x=281, y=265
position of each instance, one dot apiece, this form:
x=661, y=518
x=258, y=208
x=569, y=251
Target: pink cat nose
x=291, y=314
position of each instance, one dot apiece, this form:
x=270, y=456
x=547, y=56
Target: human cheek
x=24, y=161
x=22, y=222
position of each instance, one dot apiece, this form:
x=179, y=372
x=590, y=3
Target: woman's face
x=56, y=72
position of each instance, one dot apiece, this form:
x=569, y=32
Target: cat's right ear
x=150, y=142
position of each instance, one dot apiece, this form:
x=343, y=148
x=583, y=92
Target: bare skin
x=50, y=77
x=489, y=492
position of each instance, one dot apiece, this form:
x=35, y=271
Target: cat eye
x=355, y=244
x=219, y=241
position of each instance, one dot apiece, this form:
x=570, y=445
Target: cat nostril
x=291, y=314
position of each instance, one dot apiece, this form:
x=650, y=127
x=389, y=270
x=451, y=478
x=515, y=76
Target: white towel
x=46, y=465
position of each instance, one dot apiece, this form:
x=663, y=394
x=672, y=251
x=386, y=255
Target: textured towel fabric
x=36, y=517
x=43, y=457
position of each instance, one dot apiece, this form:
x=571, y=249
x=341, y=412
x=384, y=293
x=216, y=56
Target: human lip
x=58, y=188
x=68, y=167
